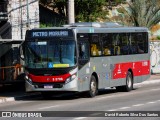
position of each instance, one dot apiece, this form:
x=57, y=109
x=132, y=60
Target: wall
x=17, y=16
x=155, y=56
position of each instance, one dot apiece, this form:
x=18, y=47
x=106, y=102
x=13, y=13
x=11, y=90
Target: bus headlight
x=70, y=78
x=26, y=75
x=28, y=79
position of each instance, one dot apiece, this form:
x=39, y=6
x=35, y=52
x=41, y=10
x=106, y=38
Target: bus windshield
x=50, y=54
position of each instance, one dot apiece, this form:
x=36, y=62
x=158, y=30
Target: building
x=16, y=16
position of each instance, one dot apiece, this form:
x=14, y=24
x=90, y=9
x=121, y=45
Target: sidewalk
x=10, y=93
x=15, y=92
x=155, y=77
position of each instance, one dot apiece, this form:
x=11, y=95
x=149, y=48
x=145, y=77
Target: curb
x=148, y=82
x=11, y=99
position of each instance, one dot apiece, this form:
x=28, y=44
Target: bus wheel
x=129, y=84
x=93, y=89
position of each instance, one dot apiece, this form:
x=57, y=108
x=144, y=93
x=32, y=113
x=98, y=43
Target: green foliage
x=90, y=10
x=85, y=10
x=144, y=12
x=43, y=25
x=58, y=24
x=158, y=37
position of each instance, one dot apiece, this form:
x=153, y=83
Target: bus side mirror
x=21, y=51
x=22, y=57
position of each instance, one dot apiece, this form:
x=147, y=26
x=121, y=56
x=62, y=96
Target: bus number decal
x=144, y=63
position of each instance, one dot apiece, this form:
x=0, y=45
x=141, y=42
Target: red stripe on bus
x=49, y=79
x=138, y=68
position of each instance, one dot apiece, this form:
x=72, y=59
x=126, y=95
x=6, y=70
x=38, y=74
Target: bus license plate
x=48, y=86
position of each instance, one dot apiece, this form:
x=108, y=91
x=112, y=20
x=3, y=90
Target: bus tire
x=129, y=84
x=93, y=87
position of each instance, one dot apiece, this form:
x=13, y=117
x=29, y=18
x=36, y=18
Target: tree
x=85, y=10
x=90, y=10
x=58, y=6
x=143, y=13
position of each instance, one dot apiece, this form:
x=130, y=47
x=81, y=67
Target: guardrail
x=17, y=69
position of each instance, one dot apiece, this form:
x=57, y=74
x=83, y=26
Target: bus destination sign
x=51, y=33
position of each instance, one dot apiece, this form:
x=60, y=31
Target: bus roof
x=109, y=27
x=94, y=24
x=97, y=27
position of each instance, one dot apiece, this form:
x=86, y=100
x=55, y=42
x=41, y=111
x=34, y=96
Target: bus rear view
x=50, y=60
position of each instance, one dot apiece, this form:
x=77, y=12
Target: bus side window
x=116, y=43
x=107, y=44
x=94, y=50
x=95, y=44
x=81, y=51
x=116, y=50
x=125, y=44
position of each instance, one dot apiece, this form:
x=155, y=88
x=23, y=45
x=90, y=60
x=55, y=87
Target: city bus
x=85, y=57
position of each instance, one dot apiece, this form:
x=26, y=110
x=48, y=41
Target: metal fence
x=10, y=73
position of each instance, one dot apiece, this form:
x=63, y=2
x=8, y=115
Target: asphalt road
x=144, y=97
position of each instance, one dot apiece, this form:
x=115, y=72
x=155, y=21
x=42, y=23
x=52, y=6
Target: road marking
x=137, y=105
x=112, y=110
x=150, y=102
x=49, y=107
x=136, y=84
x=105, y=97
x=79, y=118
x=124, y=108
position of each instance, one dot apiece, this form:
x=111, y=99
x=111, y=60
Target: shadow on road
x=18, y=92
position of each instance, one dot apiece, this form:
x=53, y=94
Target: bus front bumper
x=39, y=87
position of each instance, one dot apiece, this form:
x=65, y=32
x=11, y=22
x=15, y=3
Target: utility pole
x=21, y=25
x=71, y=18
x=28, y=24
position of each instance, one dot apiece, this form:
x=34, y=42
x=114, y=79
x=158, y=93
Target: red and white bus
x=86, y=57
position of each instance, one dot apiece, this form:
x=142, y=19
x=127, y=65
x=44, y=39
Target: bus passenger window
x=116, y=50
x=107, y=51
x=96, y=45
x=139, y=49
x=83, y=51
x=107, y=44
x=94, y=50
